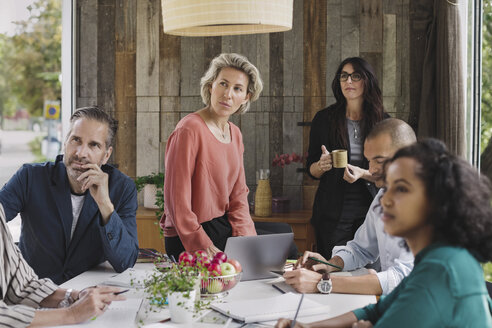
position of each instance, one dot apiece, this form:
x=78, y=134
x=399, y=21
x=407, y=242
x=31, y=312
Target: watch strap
x=67, y=300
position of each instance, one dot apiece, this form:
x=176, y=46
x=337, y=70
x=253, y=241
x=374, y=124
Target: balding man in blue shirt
x=370, y=242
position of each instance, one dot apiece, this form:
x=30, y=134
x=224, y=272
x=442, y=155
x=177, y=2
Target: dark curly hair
x=459, y=197
x=372, y=109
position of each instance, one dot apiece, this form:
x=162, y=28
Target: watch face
x=64, y=303
x=67, y=301
x=324, y=286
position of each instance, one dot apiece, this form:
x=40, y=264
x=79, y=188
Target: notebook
x=267, y=309
x=259, y=255
x=119, y=314
x=130, y=278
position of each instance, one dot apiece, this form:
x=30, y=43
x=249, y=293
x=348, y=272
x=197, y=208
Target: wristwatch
x=325, y=285
x=67, y=300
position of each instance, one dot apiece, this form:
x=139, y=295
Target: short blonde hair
x=236, y=61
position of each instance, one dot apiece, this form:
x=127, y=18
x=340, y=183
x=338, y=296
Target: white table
x=336, y=303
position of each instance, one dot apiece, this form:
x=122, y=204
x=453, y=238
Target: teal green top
x=445, y=289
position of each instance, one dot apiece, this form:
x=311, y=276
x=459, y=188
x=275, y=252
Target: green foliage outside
x=35, y=147
x=487, y=270
x=486, y=75
x=487, y=93
x=30, y=63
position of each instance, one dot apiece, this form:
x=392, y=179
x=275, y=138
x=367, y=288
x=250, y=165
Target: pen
x=324, y=262
x=279, y=272
x=116, y=293
x=149, y=252
x=293, y=323
x=121, y=292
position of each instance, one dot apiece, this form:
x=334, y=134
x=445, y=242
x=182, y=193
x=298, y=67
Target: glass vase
x=263, y=195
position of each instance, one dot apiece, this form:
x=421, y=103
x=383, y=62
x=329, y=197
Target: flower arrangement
x=179, y=286
x=285, y=159
x=194, y=273
x=177, y=278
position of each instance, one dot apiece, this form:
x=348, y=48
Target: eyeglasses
x=354, y=76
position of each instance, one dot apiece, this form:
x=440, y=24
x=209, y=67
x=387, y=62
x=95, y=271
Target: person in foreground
x=205, y=191
x=370, y=242
x=22, y=293
x=441, y=206
x=344, y=194
x=76, y=212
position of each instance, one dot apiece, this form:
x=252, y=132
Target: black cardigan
x=328, y=202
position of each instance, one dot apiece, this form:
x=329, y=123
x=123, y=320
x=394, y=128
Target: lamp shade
x=226, y=17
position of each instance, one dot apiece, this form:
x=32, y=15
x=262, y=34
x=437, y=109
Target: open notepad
x=119, y=314
x=267, y=309
x=130, y=278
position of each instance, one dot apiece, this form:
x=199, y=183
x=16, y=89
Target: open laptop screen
x=259, y=255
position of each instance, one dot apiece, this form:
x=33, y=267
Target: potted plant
x=152, y=186
x=180, y=286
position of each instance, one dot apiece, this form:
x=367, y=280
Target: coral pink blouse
x=204, y=179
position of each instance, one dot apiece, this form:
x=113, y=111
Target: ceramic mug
x=339, y=158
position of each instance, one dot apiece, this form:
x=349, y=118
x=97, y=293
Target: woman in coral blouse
x=205, y=192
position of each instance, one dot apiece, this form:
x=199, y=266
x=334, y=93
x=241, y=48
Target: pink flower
x=285, y=159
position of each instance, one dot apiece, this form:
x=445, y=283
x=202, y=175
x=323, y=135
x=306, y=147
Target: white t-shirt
x=77, y=203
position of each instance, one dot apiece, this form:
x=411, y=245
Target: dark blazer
x=41, y=194
x=328, y=202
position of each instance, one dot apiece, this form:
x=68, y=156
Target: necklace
x=211, y=122
x=221, y=131
x=355, y=126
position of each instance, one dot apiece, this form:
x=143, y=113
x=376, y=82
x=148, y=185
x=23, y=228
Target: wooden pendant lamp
x=226, y=17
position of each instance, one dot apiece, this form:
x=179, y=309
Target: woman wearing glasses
x=344, y=194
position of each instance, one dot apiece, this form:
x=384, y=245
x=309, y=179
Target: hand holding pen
x=316, y=262
x=93, y=302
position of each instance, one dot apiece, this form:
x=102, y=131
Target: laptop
x=259, y=255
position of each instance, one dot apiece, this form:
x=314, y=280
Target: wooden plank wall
x=149, y=80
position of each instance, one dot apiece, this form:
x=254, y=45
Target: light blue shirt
x=370, y=243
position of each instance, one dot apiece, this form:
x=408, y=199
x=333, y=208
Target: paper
x=130, y=278
x=119, y=314
x=266, y=309
x=284, y=287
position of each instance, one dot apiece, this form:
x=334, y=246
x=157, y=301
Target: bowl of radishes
x=218, y=273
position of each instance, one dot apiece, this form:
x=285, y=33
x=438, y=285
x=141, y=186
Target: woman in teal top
x=441, y=206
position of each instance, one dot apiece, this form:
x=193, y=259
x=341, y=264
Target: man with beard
x=76, y=212
x=370, y=244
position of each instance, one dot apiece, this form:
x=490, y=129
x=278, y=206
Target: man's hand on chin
x=303, y=280
x=96, y=181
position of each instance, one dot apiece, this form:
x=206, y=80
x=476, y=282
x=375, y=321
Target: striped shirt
x=20, y=289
